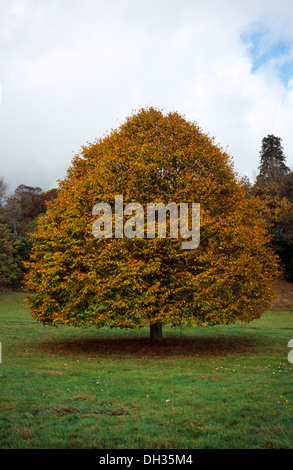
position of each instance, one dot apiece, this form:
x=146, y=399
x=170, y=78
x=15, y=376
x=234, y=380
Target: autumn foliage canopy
x=75, y=278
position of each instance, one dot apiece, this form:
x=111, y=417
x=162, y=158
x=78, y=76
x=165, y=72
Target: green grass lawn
x=203, y=388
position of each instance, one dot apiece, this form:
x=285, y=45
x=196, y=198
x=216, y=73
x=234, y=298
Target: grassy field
x=203, y=388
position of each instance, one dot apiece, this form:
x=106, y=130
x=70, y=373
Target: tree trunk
x=156, y=333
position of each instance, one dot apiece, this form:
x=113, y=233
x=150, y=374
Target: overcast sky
x=70, y=70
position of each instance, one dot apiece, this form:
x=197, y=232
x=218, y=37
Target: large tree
x=75, y=278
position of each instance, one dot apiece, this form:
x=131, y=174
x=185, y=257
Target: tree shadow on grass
x=141, y=348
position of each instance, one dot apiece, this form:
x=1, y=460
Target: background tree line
x=19, y=213
x=273, y=186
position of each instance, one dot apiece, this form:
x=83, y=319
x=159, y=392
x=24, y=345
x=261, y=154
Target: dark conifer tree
x=272, y=159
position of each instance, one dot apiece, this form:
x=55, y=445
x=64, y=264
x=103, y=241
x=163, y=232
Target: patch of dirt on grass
x=49, y=372
x=7, y=407
x=118, y=348
x=24, y=431
x=65, y=410
x=81, y=397
x=283, y=299
x=112, y=412
x=87, y=413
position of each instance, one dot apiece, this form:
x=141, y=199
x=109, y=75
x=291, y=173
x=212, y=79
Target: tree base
x=156, y=333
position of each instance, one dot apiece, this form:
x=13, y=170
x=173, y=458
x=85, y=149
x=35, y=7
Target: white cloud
x=72, y=70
